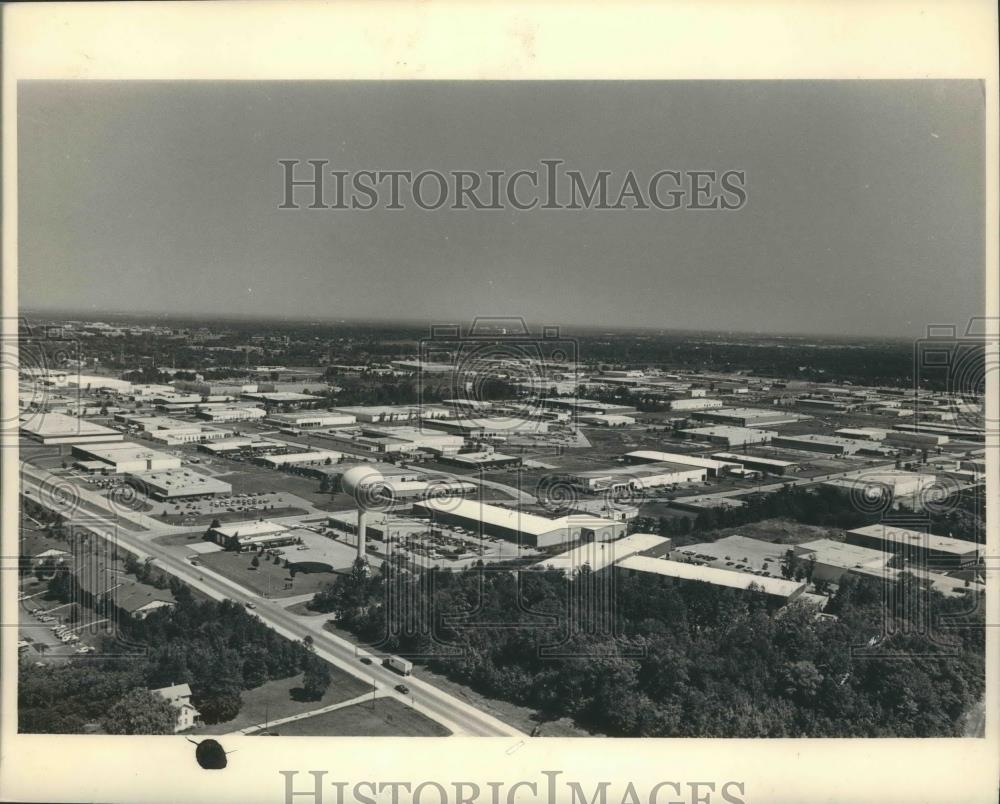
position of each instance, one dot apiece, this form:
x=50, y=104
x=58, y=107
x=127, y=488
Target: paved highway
x=459, y=716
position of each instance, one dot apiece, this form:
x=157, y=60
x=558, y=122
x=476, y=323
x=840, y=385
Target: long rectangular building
x=713, y=467
x=58, y=428
x=515, y=525
x=777, y=588
x=126, y=457
x=916, y=546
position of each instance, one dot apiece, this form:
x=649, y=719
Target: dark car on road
x=365, y=660
x=403, y=689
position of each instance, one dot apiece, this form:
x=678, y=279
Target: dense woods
x=684, y=659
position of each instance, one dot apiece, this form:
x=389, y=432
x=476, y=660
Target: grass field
x=386, y=717
x=268, y=579
x=276, y=699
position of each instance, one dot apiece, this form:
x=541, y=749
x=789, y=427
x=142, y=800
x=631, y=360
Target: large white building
x=776, y=588
x=125, y=457
x=597, y=556
x=715, y=468
x=232, y=413
x=516, y=525
x=172, y=484
x=309, y=419
x=58, y=428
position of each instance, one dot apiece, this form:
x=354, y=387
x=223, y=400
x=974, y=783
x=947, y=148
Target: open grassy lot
x=386, y=717
x=269, y=579
x=779, y=531
x=281, y=698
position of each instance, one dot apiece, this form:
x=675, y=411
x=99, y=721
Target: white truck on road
x=401, y=666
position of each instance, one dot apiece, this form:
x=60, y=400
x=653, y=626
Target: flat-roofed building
x=729, y=436
x=747, y=417
x=310, y=458
x=778, y=589
x=486, y=459
x=231, y=413
x=173, y=484
x=381, y=413
x=599, y=555
x=636, y=478
x=769, y=465
x=863, y=433
x=714, y=468
x=515, y=525
x=694, y=403
x=834, y=559
x=889, y=486
x=738, y=553
x=916, y=440
x=484, y=426
x=58, y=428
x=311, y=419
x=916, y=546
x=126, y=457
x=585, y=405
x=607, y=420
x=259, y=535
x=828, y=445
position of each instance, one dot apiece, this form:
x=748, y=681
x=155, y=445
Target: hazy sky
x=865, y=211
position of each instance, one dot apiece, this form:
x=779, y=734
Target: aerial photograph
x=502, y=408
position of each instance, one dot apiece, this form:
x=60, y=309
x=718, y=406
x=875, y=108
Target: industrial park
x=286, y=490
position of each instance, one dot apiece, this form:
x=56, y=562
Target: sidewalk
x=302, y=715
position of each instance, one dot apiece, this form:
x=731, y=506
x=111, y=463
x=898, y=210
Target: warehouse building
x=714, y=468
x=597, y=556
x=728, y=436
x=899, y=438
x=771, y=466
x=834, y=559
x=232, y=413
x=486, y=459
x=58, y=428
x=175, y=484
x=125, y=457
x=778, y=590
x=381, y=413
x=747, y=417
x=695, y=403
x=489, y=426
x=830, y=445
x=310, y=419
x=310, y=458
x=531, y=529
x=917, y=546
x=607, y=420
x=636, y=478
x=572, y=403
x=863, y=433
x=884, y=489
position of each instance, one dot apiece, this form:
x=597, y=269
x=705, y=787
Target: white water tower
x=367, y=485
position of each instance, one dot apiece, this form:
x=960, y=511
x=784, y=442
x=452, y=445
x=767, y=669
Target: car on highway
x=402, y=689
x=251, y=605
x=366, y=660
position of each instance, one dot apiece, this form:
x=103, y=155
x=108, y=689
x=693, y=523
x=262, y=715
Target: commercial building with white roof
x=172, y=484
x=515, y=525
x=776, y=588
x=600, y=555
x=714, y=467
x=126, y=457
x=729, y=436
x=916, y=546
x=834, y=559
x=58, y=428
